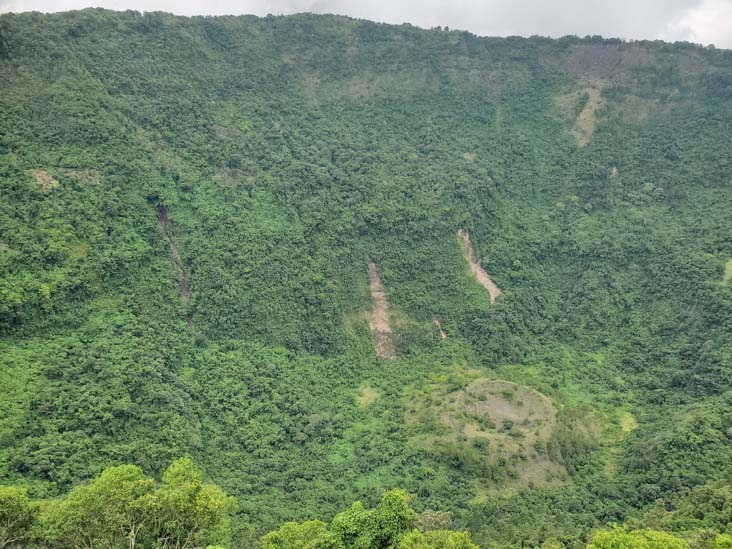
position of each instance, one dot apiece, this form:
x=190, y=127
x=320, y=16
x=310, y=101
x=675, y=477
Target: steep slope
x=379, y=322
x=477, y=269
x=594, y=174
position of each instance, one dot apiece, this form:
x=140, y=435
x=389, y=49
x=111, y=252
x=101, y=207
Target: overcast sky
x=701, y=21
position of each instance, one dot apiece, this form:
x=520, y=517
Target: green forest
x=316, y=282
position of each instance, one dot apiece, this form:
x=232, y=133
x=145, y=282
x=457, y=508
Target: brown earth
x=436, y=322
x=45, y=180
x=379, y=322
x=185, y=294
x=480, y=274
x=531, y=413
x=85, y=176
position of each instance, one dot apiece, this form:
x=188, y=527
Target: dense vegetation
x=187, y=209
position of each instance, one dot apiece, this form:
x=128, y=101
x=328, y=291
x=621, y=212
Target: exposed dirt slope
x=45, y=180
x=85, y=176
x=379, y=321
x=436, y=322
x=514, y=423
x=584, y=122
x=185, y=294
x=480, y=274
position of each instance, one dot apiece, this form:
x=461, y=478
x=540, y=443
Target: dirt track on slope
x=438, y=325
x=379, y=320
x=185, y=294
x=480, y=274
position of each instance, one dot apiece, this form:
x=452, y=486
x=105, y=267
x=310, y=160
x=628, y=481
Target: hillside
x=327, y=258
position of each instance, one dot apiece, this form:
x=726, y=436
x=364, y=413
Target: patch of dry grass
x=45, y=181
x=366, y=396
x=583, y=124
x=86, y=176
x=513, y=424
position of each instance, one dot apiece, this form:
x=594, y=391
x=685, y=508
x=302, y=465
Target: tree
x=107, y=512
x=188, y=512
x=122, y=507
x=383, y=526
x=386, y=525
x=618, y=538
x=350, y=527
x=17, y=516
x=391, y=518
x=437, y=539
x=311, y=534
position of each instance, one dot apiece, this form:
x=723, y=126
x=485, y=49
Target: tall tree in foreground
x=17, y=516
x=123, y=508
x=389, y=524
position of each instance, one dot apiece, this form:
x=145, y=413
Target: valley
x=314, y=281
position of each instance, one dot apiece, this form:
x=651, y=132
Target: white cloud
x=708, y=23
x=702, y=21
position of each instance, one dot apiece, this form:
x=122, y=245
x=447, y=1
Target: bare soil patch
x=469, y=156
x=480, y=274
x=727, y=272
x=583, y=123
x=185, y=294
x=436, y=322
x=45, y=181
x=85, y=176
x=499, y=410
x=379, y=322
x=513, y=423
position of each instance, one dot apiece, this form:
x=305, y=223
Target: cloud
x=702, y=21
x=708, y=23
